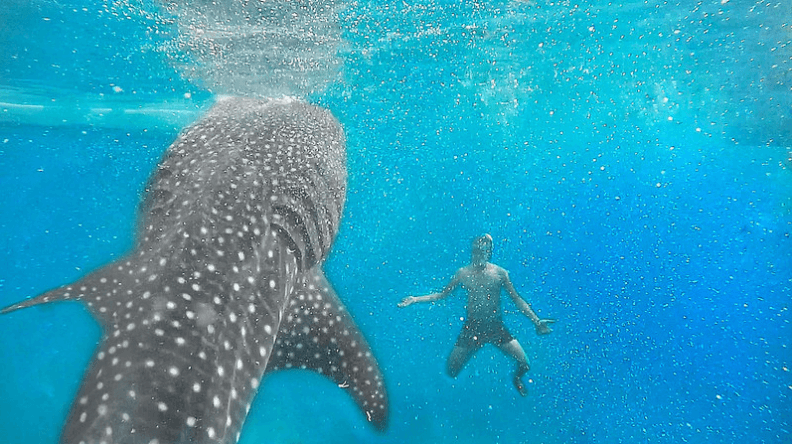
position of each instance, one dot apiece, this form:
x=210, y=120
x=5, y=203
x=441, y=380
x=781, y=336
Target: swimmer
x=484, y=324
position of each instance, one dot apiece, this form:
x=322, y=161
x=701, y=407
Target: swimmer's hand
x=543, y=326
x=409, y=300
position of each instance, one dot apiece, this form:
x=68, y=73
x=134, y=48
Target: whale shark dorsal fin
x=96, y=289
x=318, y=334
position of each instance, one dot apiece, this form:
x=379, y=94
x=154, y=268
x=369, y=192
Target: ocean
x=632, y=161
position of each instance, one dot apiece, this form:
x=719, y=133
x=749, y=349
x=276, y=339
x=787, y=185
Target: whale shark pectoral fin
x=318, y=334
x=95, y=289
x=59, y=294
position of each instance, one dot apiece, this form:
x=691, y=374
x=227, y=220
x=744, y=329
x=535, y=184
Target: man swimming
x=483, y=281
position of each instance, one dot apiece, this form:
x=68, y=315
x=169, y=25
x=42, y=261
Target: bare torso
x=483, y=284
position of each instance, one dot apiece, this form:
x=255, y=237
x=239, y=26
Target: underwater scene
x=630, y=160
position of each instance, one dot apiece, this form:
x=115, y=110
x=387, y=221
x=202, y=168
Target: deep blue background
x=631, y=160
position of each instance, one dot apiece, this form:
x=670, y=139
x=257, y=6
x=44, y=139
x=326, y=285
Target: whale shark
x=223, y=284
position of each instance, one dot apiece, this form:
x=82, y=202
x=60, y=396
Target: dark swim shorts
x=476, y=333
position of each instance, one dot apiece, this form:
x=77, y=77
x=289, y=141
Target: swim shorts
x=476, y=333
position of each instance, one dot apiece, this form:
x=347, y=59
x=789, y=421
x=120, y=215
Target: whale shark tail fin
x=318, y=334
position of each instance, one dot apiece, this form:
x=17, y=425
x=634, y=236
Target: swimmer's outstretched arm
x=409, y=300
x=542, y=325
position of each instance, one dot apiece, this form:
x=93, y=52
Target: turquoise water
x=631, y=160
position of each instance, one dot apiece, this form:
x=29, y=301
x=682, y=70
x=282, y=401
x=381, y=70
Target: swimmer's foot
x=518, y=384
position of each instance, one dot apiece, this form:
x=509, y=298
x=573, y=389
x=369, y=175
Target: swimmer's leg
x=515, y=350
x=460, y=356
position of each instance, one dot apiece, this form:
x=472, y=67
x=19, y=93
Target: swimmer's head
x=481, y=250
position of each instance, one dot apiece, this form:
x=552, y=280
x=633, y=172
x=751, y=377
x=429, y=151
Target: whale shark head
x=292, y=170
x=224, y=277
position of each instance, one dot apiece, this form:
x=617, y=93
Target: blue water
x=632, y=161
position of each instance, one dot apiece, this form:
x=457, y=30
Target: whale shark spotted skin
x=224, y=283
